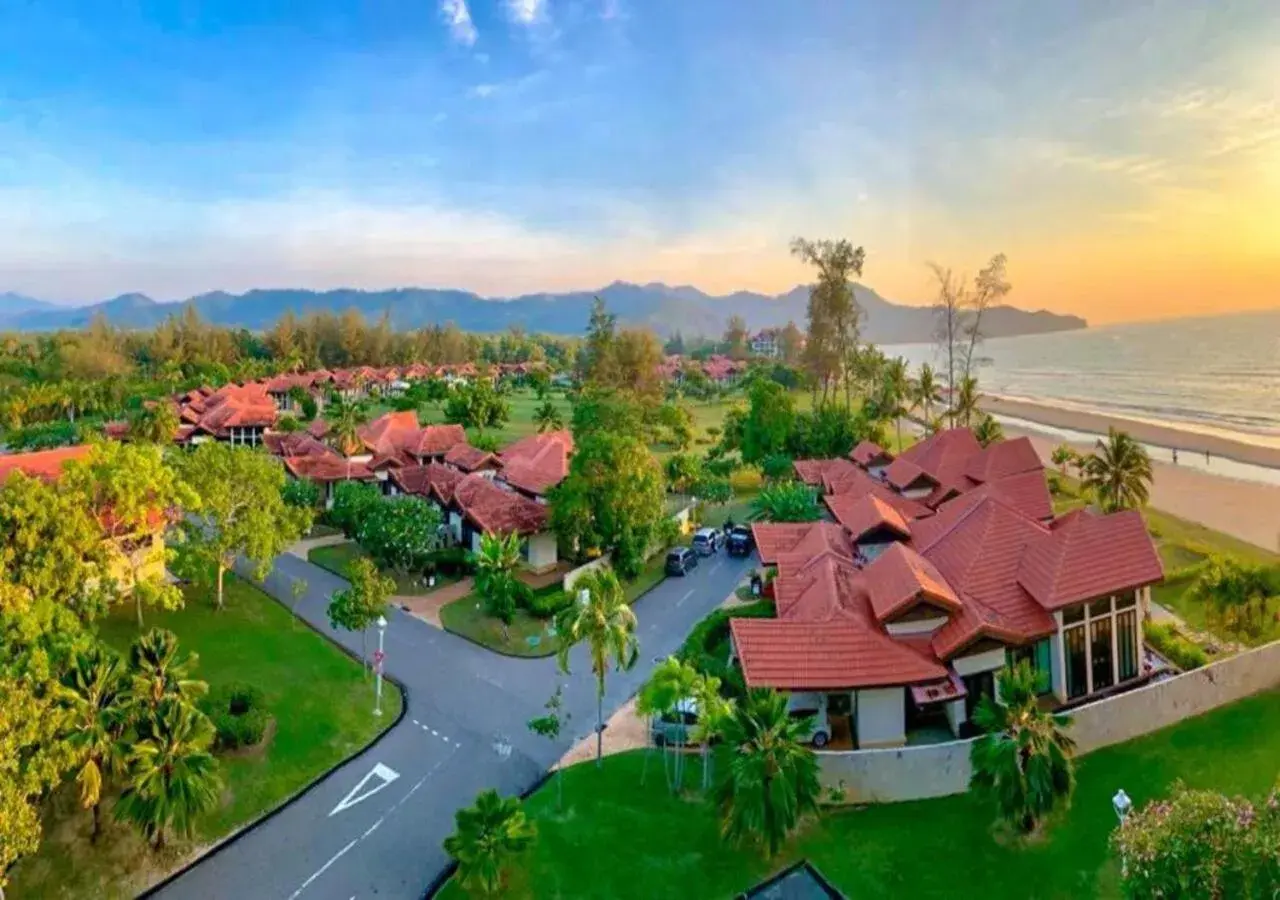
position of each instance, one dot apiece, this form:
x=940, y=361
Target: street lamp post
x=1122, y=805
x=378, y=658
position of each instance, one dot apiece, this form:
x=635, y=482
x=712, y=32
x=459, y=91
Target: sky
x=1124, y=155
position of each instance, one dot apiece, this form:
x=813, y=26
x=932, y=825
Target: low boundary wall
x=938, y=770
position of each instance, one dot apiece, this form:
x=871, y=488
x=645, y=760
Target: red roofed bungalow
x=481, y=506
x=536, y=464
x=46, y=464
x=897, y=617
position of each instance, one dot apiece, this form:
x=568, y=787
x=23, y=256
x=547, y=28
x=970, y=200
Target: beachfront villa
x=895, y=617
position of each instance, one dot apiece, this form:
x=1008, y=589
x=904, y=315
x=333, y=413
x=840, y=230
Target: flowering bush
x=1201, y=844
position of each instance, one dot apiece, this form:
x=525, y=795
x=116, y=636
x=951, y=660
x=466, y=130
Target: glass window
x=1076, y=660
x=1072, y=614
x=1100, y=608
x=1127, y=644
x=1127, y=600
x=1100, y=653
x=1040, y=655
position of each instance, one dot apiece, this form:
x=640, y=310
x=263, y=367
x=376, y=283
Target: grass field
x=523, y=404
x=319, y=698
x=620, y=839
x=337, y=558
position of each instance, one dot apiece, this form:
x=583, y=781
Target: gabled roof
x=495, y=510
x=468, y=458
x=819, y=588
x=869, y=453
x=790, y=655
x=1066, y=566
x=435, y=440
x=390, y=432
x=902, y=473
x=432, y=480
x=231, y=406
x=537, y=463
x=298, y=443
x=843, y=477
x=775, y=539
x=944, y=455
x=899, y=577
x=810, y=471
x=46, y=464
x=844, y=506
x=1004, y=458
x=328, y=468
x=870, y=512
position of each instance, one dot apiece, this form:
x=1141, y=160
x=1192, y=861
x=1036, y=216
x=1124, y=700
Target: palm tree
x=156, y=423
x=670, y=686
x=965, y=402
x=895, y=389
x=156, y=673
x=345, y=418
x=988, y=431
x=786, y=501
x=172, y=775
x=926, y=392
x=1024, y=760
x=496, y=581
x=602, y=619
x=487, y=838
x=1118, y=472
x=1062, y=457
x=92, y=691
x=1237, y=594
x=547, y=417
x=772, y=779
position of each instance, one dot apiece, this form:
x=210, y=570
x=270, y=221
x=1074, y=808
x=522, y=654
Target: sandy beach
x=1245, y=509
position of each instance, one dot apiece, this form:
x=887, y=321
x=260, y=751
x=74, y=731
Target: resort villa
x=937, y=569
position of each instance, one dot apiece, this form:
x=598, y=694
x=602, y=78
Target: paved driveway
x=375, y=826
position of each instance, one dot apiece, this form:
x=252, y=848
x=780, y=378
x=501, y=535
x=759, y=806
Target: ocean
x=1218, y=375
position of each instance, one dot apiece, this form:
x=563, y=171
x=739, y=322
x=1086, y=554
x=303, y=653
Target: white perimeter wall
x=571, y=577
x=936, y=770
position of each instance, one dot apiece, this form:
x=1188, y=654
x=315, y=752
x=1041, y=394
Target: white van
x=812, y=706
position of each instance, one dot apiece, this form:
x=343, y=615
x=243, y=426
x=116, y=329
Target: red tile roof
x=844, y=505
x=810, y=471
x=390, y=433
x=231, y=406
x=900, y=577
x=497, y=511
x=297, y=443
x=775, y=539
x=537, y=463
x=46, y=464
x=902, y=473
x=328, y=468
x=791, y=655
x=436, y=440
x=869, y=453
x=1090, y=557
x=1004, y=458
x=863, y=515
x=469, y=459
x=432, y=480
x=1028, y=493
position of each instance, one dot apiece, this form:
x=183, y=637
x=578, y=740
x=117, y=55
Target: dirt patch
x=625, y=731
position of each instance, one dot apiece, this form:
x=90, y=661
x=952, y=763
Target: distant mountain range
x=664, y=308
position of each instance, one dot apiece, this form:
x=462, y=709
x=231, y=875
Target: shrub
x=668, y=532
x=309, y=407
x=777, y=466
x=288, y=424
x=43, y=436
x=301, y=493
x=707, y=646
x=1173, y=646
x=487, y=442
x=746, y=480
x=238, y=714
x=452, y=561
x=547, y=604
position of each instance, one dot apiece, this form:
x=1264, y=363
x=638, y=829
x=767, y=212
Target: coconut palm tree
x=894, y=394
x=965, y=402
x=156, y=673
x=92, y=690
x=156, y=423
x=487, y=838
x=601, y=619
x=670, y=687
x=495, y=567
x=988, y=431
x=926, y=392
x=1023, y=763
x=772, y=778
x=345, y=418
x=547, y=417
x=1118, y=472
x=172, y=776
x=1062, y=457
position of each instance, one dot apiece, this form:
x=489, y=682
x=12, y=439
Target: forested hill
x=666, y=309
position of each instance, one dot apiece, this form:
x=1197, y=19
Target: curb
x=270, y=814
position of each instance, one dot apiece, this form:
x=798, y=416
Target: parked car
x=675, y=726
x=706, y=541
x=681, y=560
x=740, y=541
x=814, y=708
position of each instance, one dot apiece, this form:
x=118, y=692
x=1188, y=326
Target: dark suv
x=740, y=541
x=681, y=560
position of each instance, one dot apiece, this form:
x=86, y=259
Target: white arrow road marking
x=385, y=776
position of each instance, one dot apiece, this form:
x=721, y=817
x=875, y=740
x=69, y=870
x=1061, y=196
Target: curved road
x=375, y=826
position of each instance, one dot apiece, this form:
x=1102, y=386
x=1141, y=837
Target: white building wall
x=956, y=716
x=882, y=716
x=979, y=662
x=542, y=551
x=920, y=626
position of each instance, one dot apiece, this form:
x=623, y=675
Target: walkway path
x=303, y=547
x=427, y=606
x=375, y=826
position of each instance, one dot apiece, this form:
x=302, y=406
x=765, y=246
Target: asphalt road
x=375, y=827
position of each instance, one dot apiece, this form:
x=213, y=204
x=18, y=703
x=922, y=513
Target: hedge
x=1173, y=646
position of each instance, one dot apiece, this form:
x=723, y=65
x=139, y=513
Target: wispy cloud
x=611, y=9
x=527, y=12
x=458, y=17
x=482, y=91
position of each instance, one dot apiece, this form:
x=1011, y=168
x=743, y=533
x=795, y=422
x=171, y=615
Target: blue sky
x=523, y=145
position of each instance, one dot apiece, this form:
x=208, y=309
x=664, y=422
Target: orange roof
x=810, y=471
x=902, y=473
x=863, y=515
x=298, y=443
x=328, y=468
x=468, y=458
x=899, y=577
x=436, y=440
x=498, y=511
x=845, y=506
x=1090, y=557
x=775, y=539
x=432, y=480
x=46, y=464
x=390, y=432
x=869, y=453
x=1004, y=458
x=537, y=463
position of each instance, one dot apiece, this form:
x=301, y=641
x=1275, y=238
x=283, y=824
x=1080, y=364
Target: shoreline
x=1148, y=433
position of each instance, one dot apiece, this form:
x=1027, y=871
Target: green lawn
x=620, y=839
x=319, y=698
x=528, y=635
x=523, y=404
x=337, y=558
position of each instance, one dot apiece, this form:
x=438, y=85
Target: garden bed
x=337, y=558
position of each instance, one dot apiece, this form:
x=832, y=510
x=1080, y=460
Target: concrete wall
x=979, y=662
x=882, y=717
x=936, y=770
x=571, y=577
x=542, y=551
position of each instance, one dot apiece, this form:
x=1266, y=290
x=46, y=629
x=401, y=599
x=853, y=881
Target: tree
x=713, y=489
x=612, y=500
x=964, y=403
x=1237, y=593
x=496, y=581
x=362, y=603
x=834, y=312
x=172, y=776
x=133, y=492
x=301, y=492
x=92, y=691
x=547, y=417
x=487, y=839
x=1063, y=456
x=683, y=471
x=949, y=325
x=894, y=394
x=989, y=289
x=345, y=418
x=714, y=713
x=667, y=692
x=735, y=337
x=772, y=777
x=540, y=381
x=243, y=512
x=611, y=411
x=353, y=502
x=786, y=501
x=549, y=726
x=678, y=422
x=477, y=405
x=926, y=391
x=156, y=423
x=791, y=344
x=768, y=421
x=1201, y=844
x=1118, y=472
x=777, y=467
x=157, y=674
x=1023, y=761
x=597, y=363
x=601, y=618
x=401, y=533
x=988, y=431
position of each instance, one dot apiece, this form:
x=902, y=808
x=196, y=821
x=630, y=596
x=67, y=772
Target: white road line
x=436, y=733
x=372, y=828
x=320, y=871
x=688, y=594
x=416, y=722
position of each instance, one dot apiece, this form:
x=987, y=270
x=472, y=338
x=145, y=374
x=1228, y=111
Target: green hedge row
x=1173, y=646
